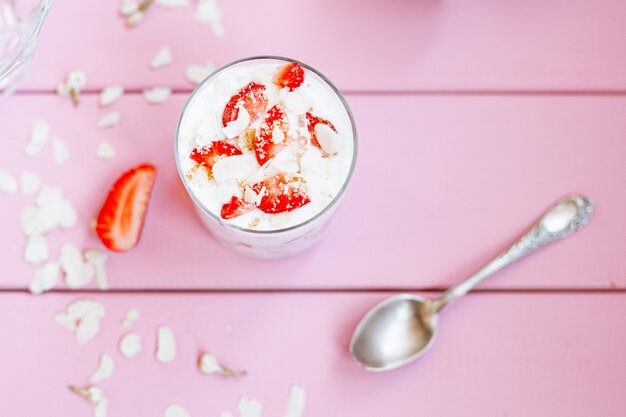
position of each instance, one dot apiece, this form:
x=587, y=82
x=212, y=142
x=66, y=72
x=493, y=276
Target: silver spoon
x=402, y=328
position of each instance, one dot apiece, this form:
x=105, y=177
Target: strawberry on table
x=208, y=155
x=281, y=193
x=290, y=76
x=121, y=218
x=272, y=136
x=252, y=97
x=235, y=208
x=311, y=122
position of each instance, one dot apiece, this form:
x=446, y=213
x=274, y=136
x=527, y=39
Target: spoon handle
x=558, y=222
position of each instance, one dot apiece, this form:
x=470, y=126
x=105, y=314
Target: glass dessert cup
x=278, y=242
x=20, y=25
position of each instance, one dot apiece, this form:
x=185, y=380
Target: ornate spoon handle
x=560, y=221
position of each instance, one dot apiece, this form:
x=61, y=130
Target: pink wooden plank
x=444, y=196
x=506, y=354
x=376, y=45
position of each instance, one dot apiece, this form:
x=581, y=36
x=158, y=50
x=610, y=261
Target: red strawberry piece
x=208, y=155
x=264, y=146
x=121, y=218
x=281, y=193
x=311, y=122
x=235, y=208
x=252, y=97
x=291, y=76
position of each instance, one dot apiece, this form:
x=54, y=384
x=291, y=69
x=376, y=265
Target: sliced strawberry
x=281, y=193
x=208, y=155
x=265, y=147
x=252, y=97
x=311, y=122
x=121, y=218
x=235, y=208
x=291, y=76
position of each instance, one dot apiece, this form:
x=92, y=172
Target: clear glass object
x=20, y=24
x=268, y=243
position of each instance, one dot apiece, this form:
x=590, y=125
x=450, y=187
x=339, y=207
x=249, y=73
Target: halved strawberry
x=291, y=76
x=252, y=97
x=265, y=147
x=235, y=208
x=208, y=155
x=281, y=193
x=121, y=218
x=311, y=122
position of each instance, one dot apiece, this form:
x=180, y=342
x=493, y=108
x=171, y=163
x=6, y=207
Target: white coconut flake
x=295, y=403
x=134, y=18
x=175, y=410
x=128, y=7
x=249, y=408
x=67, y=214
x=91, y=394
x=208, y=364
x=101, y=407
x=328, y=139
x=132, y=316
x=88, y=327
x=105, y=150
x=65, y=320
x=234, y=168
x=45, y=278
x=237, y=126
x=208, y=13
x=172, y=4
x=60, y=151
x=130, y=345
x=166, y=345
x=98, y=260
x=75, y=82
x=36, y=250
x=30, y=182
x=79, y=309
x=197, y=73
x=163, y=58
x=110, y=119
x=110, y=95
x=157, y=95
x=105, y=369
x=78, y=273
x=39, y=136
x=8, y=184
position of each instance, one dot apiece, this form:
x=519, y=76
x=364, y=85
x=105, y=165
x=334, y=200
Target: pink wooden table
x=515, y=105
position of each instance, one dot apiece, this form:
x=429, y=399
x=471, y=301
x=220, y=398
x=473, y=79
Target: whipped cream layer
x=323, y=174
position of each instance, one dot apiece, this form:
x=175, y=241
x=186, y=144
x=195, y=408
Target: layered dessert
x=265, y=144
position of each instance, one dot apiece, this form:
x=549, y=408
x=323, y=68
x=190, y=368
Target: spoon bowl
x=395, y=332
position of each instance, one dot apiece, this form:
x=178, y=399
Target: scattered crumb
x=132, y=316
x=255, y=222
x=30, y=182
x=110, y=119
x=105, y=150
x=110, y=95
x=197, y=73
x=75, y=82
x=166, y=345
x=105, y=369
x=157, y=95
x=39, y=136
x=162, y=58
x=60, y=151
x=8, y=184
x=130, y=345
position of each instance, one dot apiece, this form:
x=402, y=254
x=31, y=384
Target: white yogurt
x=201, y=124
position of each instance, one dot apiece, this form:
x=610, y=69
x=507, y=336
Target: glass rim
x=39, y=12
x=322, y=212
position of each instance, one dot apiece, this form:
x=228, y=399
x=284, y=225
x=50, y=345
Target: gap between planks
x=590, y=291
x=421, y=92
